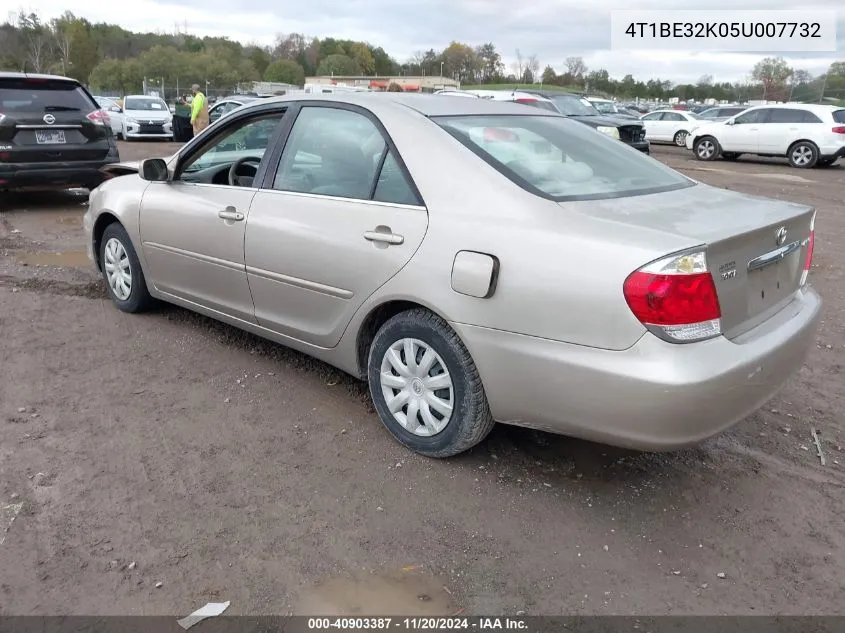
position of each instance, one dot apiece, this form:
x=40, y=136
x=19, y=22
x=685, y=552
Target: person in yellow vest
x=199, y=110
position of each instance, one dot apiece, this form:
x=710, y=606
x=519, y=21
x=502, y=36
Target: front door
x=652, y=125
x=743, y=134
x=192, y=228
x=342, y=218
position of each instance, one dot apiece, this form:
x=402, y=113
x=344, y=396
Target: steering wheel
x=233, y=170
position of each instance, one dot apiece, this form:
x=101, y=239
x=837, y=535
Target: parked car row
x=628, y=130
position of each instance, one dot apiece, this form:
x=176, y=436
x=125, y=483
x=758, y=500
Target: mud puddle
x=398, y=593
x=67, y=259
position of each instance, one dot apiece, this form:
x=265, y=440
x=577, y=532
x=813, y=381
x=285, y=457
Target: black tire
x=803, y=155
x=139, y=298
x=730, y=155
x=680, y=138
x=706, y=148
x=470, y=420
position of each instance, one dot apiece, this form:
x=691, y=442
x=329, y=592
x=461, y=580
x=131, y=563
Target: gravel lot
x=167, y=448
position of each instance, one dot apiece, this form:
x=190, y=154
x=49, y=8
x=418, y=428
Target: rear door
x=51, y=120
x=340, y=216
x=783, y=126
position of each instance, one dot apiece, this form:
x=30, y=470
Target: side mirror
x=730, y=122
x=154, y=170
x=115, y=109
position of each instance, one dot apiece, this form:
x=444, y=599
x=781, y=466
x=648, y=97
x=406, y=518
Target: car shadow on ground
x=542, y=457
x=20, y=201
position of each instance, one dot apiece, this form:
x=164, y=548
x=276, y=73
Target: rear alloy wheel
x=706, y=148
x=803, y=155
x=425, y=386
x=120, y=266
x=681, y=138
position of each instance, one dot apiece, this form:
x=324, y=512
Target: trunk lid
x=756, y=247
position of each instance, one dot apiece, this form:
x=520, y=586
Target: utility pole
x=824, y=87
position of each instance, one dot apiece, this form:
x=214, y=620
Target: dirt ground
x=167, y=448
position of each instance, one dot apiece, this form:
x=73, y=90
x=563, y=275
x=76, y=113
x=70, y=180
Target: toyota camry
x=474, y=261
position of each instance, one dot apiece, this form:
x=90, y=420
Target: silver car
x=476, y=262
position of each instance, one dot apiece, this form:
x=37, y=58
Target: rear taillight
x=98, y=117
x=839, y=129
x=808, y=261
x=675, y=298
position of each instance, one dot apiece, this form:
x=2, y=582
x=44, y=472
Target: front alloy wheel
x=706, y=148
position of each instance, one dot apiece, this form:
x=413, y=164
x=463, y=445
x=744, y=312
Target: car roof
x=550, y=94
x=17, y=75
x=428, y=105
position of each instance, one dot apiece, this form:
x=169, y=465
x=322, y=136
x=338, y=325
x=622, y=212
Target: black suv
x=631, y=131
x=52, y=133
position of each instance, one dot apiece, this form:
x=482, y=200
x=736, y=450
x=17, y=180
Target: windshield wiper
x=60, y=108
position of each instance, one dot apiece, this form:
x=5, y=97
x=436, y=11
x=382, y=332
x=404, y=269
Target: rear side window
x=839, y=116
x=788, y=115
x=560, y=159
x=43, y=95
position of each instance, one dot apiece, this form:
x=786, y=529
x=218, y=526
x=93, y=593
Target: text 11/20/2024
x=418, y=624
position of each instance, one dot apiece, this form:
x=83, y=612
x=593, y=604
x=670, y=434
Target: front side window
x=754, y=116
x=245, y=138
x=560, y=159
x=654, y=116
x=340, y=153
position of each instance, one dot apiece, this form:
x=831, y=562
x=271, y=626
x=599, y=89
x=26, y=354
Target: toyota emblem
x=780, y=236
x=49, y=119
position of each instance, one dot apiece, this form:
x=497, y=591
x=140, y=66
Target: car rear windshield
x=42, y=95
x=839, y=116
x=145, y=103
x=561, y=159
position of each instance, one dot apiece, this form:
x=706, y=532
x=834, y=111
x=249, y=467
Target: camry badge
x=780, y=236
x=49, y=119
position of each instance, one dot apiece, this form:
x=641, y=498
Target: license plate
x=50, y=137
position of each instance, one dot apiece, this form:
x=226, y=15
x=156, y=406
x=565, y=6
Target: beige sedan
x=475, y=261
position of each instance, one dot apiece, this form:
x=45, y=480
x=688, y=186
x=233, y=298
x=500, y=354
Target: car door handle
x=386, y=238
x=230, y=214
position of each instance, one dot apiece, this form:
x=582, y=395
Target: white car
x=146, y=117
x=805, y=134
x=115, y=113
x=670, y=126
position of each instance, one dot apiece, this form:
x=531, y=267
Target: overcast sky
x=551, y=29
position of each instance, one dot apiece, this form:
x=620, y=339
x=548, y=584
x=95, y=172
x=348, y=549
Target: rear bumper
x=832, y=152
x=58, y=174
x=653, y=396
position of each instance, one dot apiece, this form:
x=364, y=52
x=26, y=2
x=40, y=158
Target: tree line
x=107, y=57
